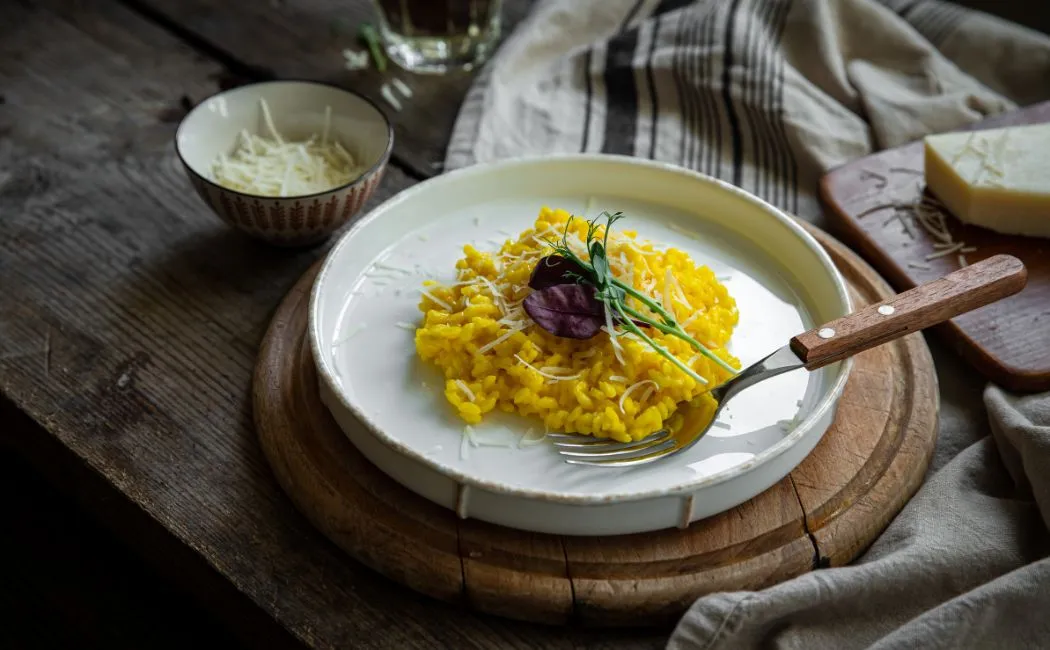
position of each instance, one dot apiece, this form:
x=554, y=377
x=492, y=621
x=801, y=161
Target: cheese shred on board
x=274, y=166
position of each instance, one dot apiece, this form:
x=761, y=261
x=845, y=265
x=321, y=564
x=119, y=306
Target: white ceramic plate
x=392, y=406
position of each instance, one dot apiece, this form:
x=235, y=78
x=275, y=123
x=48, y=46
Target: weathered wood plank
x=305, y=38
x=129, y=321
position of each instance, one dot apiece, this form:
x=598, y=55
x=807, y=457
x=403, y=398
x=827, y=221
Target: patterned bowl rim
x=380, y=163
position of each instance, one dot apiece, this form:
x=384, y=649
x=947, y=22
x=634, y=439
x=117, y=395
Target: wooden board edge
x=599, y=602
x=439, y=577
x=619, y=603
x=503, y=576
x=918, y=439
x=1010, y=377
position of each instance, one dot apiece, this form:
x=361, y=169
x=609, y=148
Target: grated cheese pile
x=611, y=386
x=931, y=216
x=274, y=166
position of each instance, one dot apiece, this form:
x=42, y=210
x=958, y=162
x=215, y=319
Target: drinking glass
x=435, y=36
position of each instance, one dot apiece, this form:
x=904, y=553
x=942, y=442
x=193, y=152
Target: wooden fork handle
x=927, y=304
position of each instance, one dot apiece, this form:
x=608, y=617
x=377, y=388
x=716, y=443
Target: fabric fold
x=765, y=94
x=770, y=95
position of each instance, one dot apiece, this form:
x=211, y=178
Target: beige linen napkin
x=769, y=95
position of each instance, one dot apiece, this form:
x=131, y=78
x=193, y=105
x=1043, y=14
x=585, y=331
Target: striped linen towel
x=765, y=94
x=769, y=95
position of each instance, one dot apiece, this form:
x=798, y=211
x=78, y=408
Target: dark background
x=66, y=582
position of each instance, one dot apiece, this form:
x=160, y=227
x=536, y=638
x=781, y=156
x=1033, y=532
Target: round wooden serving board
x=824, y=513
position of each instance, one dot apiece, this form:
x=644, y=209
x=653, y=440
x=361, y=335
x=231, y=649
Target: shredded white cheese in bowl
x=271, y=165
x=289, y=162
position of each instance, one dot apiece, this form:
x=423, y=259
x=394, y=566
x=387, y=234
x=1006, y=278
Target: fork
x=927, y=304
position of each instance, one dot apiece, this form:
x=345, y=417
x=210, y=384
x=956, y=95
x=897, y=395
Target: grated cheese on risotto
x=611, y=386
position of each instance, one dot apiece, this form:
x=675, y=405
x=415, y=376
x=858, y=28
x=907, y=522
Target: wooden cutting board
x=825, y=513
x=1008, y=341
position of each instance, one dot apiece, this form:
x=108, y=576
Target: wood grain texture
x=914, y=310
x=521, y=576
x=130, y=319
x=305, y=38
x=1009, y=341
x=888, y=430
x=646, y=579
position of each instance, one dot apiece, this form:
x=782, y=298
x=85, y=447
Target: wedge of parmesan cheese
x=998, y=179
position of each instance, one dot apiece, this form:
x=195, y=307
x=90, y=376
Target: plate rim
x=326, y=374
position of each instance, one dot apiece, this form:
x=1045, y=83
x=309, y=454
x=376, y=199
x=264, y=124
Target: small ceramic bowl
x=298, y=111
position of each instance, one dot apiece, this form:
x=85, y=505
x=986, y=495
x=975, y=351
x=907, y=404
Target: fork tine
x=581, y=441
x=622, y=452
x=571, y=436
x=638, y=459
x=580, y=438
x=612, y=445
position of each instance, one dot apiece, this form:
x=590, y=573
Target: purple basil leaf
x=570, y=311
x=552, y=271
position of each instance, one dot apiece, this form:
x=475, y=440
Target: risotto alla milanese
x=581, y=325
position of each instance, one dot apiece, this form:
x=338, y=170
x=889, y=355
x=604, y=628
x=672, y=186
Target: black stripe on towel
x=751, y=84
x=665, y=7
x=705, y=128
x=588, y=93
x=621, y=91
x=680, y=87
x=766, y=53
x=727, y=94
x=654, y=106
x=714, y=114
x=692, y=101
x=790, y=178
x=670, y=5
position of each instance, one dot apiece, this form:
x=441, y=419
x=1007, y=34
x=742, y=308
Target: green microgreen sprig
x=614, y=292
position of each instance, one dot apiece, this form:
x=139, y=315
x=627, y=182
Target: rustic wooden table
x=130, y=316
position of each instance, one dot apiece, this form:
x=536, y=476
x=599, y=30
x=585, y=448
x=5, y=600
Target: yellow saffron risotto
x=494, y=356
